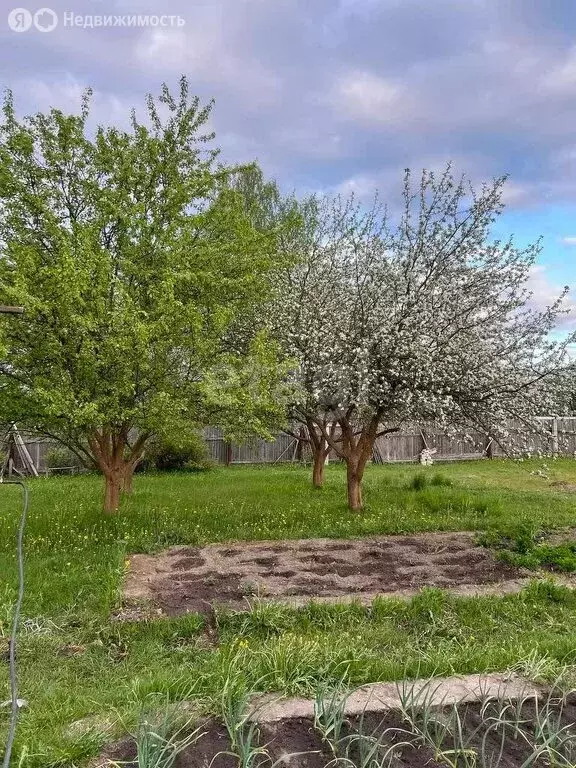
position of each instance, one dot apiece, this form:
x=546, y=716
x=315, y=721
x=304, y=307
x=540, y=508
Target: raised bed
x=463, y=723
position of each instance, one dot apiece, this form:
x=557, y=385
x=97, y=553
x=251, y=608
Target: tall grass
x=76, y=559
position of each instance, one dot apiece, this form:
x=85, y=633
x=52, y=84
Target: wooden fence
x=407, y=445
x=282, y=448
x=557, y=435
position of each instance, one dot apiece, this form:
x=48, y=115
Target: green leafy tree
x=137, y=263
x=296, y=223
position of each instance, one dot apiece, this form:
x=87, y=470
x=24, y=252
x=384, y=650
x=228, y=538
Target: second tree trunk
x=319, y=461
x=354, y=482
x=112, y=490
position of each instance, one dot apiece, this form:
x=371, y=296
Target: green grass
x=526, y=547
x=76, y=560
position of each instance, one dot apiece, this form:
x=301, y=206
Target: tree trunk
x=320, y=452
x=301, y=442
x=357, y=454
x=354, y=481
x=116, y=460
x=127, y=476
x=319, y=458
x=112, y=488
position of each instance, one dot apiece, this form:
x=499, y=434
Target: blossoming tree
x=417, y=316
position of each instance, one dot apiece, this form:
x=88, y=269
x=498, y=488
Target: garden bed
x=293, y=742
x=425, y=727
x=184, y=579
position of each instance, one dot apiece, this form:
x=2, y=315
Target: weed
x=418, y=482
x=520, y=538
x=441, y=480
x=297, y=664
x=559, y=558
x=537, y=667
x=249, y=588
x=262, y=620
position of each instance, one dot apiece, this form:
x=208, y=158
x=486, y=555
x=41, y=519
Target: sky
x=342, y=95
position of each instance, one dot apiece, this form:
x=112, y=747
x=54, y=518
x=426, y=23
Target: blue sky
x=343, y=94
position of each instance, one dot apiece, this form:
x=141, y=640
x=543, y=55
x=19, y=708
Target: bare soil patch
x=293, y=742
x=562, y=485
x=184, y=579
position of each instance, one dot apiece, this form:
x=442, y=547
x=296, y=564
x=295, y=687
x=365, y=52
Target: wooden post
x=555, y=435
x=228, y=454
x=300, y=445
x=5, y=310
x=424, y=443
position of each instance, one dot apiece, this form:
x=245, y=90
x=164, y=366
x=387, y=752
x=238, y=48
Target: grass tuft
x=525, y=547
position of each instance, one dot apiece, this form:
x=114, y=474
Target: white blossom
x=425, y=318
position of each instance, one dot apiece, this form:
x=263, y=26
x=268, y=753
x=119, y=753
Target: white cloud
x=569, y=240
x=363, y=187
x=366, y=96
x=65, y=92
x=516, y=195
x=545, y=292
x=167, y=46
x=562, y=76
x=206, y=55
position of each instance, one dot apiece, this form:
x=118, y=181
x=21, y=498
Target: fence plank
x=556, y=436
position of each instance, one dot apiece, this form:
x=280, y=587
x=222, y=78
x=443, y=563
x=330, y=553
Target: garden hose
x=15, y=622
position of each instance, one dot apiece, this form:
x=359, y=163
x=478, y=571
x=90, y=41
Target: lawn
x=74, y=662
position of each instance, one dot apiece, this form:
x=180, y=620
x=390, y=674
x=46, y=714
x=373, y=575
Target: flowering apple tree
x=417, y=316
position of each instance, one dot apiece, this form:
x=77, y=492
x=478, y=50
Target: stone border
x=143, y=609
x=380, y=697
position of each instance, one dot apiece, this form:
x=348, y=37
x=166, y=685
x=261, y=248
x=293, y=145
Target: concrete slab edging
x=380, y=697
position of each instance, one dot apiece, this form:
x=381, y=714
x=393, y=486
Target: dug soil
x=298, y=744
x=184, y=579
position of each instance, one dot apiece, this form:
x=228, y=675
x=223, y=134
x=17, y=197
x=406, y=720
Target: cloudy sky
x=343, y=94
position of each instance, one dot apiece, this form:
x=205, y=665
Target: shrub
x=421, y=480
x=57, y=458
x=171, y=454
